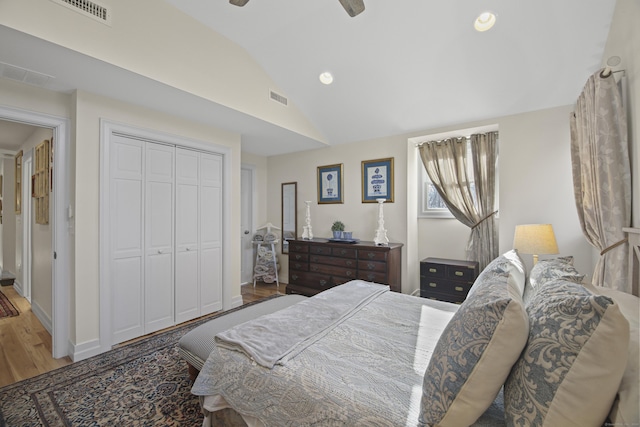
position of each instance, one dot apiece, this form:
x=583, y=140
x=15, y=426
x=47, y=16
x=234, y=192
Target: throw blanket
x=280, y=336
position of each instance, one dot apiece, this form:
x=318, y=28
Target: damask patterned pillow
x=552, y=269
x=571, y=367
x=476, y=350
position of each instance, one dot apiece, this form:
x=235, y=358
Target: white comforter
x=367, y=370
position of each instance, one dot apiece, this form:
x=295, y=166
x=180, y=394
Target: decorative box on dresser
x=447, y=279
x=318, y=264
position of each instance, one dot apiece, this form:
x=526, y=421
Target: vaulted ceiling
x=399, y=67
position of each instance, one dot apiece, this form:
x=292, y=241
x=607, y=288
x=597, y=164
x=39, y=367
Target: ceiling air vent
x=24, y=75
x=278, y=98
x=88, y=8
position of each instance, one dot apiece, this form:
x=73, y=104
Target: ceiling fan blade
x=353, y=7
x=238, y=2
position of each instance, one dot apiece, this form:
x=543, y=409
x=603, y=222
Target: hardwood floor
x=25, y=345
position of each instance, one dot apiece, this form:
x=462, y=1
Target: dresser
x=447, y=279
x=318, y=264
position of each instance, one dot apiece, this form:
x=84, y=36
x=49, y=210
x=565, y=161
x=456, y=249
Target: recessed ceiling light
x=485, y=21
x=326, y=78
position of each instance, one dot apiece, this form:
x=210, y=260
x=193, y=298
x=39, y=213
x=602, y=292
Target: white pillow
x=476, y=350
x=625, y=409
x=576, y=353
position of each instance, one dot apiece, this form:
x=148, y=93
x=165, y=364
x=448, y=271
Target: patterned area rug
x=6, y=308
x=140, y=384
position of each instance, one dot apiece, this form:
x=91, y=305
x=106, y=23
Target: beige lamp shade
x=535, y=239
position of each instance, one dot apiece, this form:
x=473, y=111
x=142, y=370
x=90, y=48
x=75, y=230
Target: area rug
x=145, y=383
x=6, y=308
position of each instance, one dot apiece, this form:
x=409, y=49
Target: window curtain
x=446, y=164
x=602, y=177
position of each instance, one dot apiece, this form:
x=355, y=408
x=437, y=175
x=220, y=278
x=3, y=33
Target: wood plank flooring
x=25, y=345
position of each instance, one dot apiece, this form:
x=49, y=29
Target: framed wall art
x=377, y=180
x=330, y=184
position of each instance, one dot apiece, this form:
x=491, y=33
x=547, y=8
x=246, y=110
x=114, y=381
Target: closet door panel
x=159, y=223
x=187, y=286
x=126, y=240
x=211, y=244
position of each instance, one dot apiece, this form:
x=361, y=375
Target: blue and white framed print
x=377, y=180
x=330, y=184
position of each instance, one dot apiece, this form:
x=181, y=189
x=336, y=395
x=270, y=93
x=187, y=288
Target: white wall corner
x=236, y=301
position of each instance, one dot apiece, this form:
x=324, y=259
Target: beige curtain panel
x=602, y=177
x=470, y=198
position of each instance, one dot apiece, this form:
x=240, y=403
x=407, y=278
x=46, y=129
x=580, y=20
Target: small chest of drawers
x=447, y=279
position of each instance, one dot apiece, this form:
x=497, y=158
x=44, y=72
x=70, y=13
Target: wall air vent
x=88, y=8
x=278, y=98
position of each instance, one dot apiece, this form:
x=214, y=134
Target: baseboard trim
x=84, y=350
x=42, y=316
x=236, y=301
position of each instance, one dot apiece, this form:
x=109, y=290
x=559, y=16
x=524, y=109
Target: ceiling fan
x=353, y=7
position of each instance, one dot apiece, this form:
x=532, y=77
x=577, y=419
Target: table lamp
x=535, y=239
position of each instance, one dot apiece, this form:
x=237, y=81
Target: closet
x=166, y=235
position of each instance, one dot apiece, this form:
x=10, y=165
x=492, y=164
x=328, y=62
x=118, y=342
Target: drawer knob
x=433, y=285
x=298, y=257
x=298, y=265
x=349, y=273
x=370, y=277
x=459, y=288
x=323, y=282
x=314, y=268
x=371, y=266
x=433, y=270
x=294, y=277
x=343, y=252
x=459, y=273
x=349, y=263
x=371, y=255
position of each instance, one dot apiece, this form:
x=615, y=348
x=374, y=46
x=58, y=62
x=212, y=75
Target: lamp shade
x=535, y=239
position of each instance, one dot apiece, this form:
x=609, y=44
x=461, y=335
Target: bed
x=359, y=354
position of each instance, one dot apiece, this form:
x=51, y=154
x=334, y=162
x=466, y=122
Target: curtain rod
x=468, y=137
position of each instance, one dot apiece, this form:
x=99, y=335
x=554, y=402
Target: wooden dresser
x=316, y=265
x=447, y=279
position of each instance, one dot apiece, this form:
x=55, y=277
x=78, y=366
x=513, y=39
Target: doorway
x=59, y=246
x=247, y=226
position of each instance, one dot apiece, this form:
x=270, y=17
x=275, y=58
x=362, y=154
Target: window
x=431, y=204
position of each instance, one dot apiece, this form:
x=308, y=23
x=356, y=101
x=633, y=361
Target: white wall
x=535, y=186
x=173, y=49
x=90, y=109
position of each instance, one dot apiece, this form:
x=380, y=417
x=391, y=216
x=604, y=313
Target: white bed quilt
x=367, y=370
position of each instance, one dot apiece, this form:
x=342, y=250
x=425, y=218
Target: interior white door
x=159, y=223
x=127, y=246
x=187, y=291
x=210, y=233
x=246, y=224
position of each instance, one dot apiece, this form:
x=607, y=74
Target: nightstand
x=447, y=279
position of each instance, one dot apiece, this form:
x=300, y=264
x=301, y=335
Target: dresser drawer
x=295, y=247
x=344, y=252
x=320, y=250
x=433, y=270
x=372, y=276
x=298, y=257
x=330, y=260
x=311, y=280
x=465, y=274
x=333, y=270
x=372, y=255
x=444, y=286
x=458, y=299
x=372, y=266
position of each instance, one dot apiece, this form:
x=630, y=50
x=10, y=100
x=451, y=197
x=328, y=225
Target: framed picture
x=330, y=184
x=377, y=180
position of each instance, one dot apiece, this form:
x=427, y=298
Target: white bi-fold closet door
x=165, y=221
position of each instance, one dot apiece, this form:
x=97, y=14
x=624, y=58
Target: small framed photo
x=330, y=184
x=377, y=180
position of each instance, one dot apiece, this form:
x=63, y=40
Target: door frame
x=61, y=226
x=109, y=128
x=27, y=241
x=252, y=213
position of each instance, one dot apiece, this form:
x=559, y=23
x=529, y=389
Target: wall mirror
x=289, y=215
